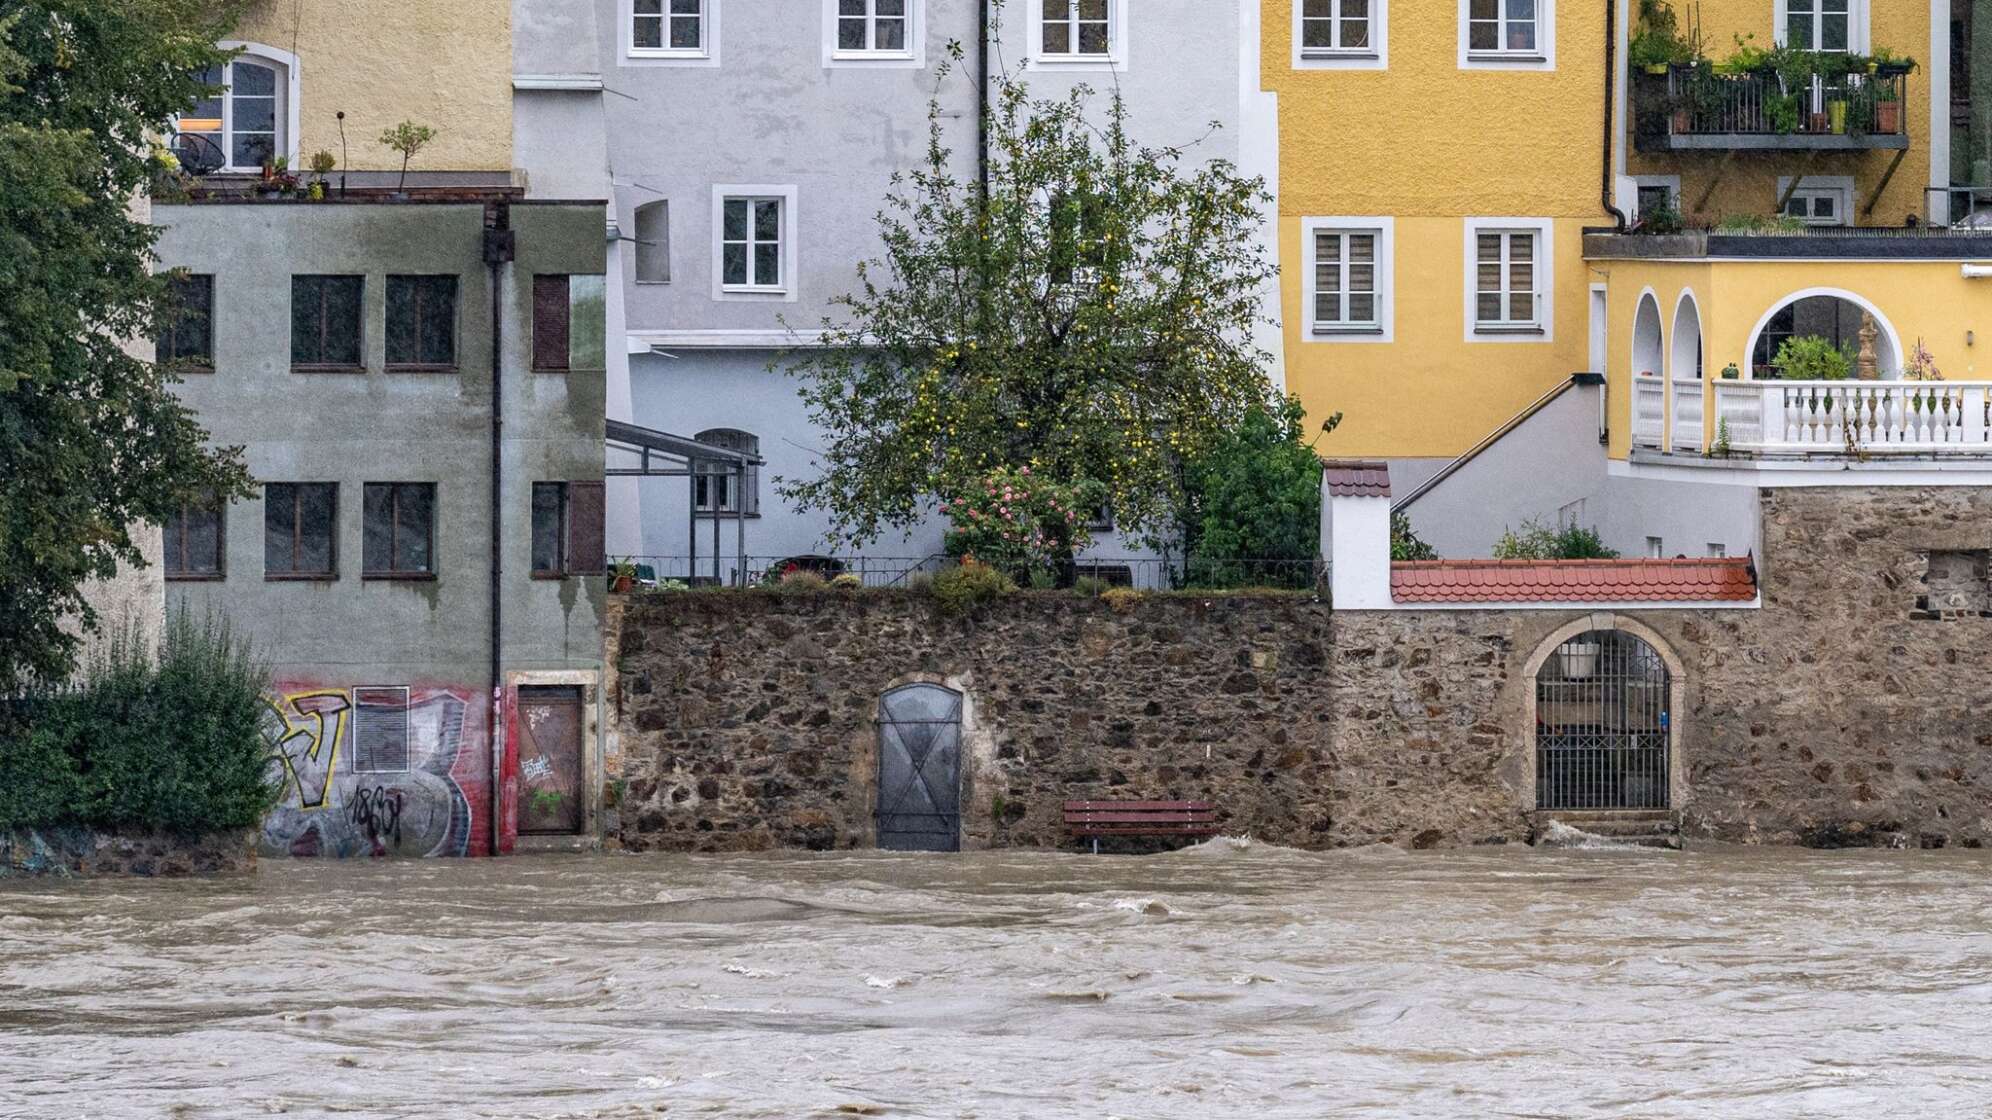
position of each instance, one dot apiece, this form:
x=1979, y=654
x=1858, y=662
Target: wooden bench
x=1094, y=819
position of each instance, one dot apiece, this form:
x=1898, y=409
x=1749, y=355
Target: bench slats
x=1141, y=818
x=1136, y=806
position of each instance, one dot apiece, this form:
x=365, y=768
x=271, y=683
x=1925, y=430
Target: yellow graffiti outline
x=317, y=721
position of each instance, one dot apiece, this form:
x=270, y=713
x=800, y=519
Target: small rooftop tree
x=407, y=138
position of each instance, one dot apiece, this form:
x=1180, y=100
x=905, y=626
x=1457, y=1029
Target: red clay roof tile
x=1717, y=580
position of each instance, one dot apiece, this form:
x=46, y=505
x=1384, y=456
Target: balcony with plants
x=1782, y=98
x=1767, y=339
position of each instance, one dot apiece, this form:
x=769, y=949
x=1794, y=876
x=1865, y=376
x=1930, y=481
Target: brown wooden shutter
x=584, y=529
x=550, y=314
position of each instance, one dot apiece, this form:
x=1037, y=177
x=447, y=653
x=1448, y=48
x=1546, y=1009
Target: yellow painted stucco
x=1929, y=300
x=1748, y=183
x=1429, y=145
x=446, y=65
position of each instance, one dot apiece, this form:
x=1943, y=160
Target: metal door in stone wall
x=919, y=769
x=550, y=760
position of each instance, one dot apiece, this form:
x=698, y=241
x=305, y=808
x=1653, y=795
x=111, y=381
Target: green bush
x=145, y=741
x=961, y=588
x=1404, y=544
x=1811, y=358
x=1254, y=504
x=1536, y=541
x=1092, y=587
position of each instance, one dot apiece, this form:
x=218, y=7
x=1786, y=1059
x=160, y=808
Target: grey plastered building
x=350, y=348
x=691, y=112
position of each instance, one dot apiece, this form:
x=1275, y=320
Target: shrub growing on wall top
x=168, y=740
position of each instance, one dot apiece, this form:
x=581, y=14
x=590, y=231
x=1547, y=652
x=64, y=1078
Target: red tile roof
x=1721, y=580
x=1348, y=479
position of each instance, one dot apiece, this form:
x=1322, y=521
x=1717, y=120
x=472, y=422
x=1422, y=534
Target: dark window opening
x=325, y=322
x=721, y=486
x=421, y=323
x=380, y=730
x=568, y=529
x=399, y=527
x=300, y=523
x=188, y=340
x=194, y=539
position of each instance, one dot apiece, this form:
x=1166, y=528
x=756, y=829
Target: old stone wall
x=82, y=852
x=747, y=719
x=1854, y=707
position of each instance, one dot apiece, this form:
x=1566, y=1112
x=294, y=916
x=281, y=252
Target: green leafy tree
x=1088, y=316
x=1254, y=510
x=92, y=440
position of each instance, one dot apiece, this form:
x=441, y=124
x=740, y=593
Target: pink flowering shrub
x=1016, y=520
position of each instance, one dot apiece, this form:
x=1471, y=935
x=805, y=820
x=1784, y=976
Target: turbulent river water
x=1229, y=980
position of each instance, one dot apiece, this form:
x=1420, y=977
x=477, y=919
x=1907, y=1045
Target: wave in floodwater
x=1231, y=979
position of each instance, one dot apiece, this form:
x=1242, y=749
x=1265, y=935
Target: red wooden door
x=550, y=793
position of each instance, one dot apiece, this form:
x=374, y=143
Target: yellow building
x=374, y=63
x=1470, y=191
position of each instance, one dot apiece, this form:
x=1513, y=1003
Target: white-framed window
x=1507, y=34
x=1090, y=32
x=1836, y=26
x=1348, y=34
x=754, y=242
x=872, y=30
x=1348, y=279
x=1656, y=548
x=1819, y=200
x=653, y=242
x=671, y=31
x=1509, y=279
x=248, y=120
x=1717, y=550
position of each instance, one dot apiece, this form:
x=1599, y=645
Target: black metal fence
x=1141, y=573
x=1702, y=102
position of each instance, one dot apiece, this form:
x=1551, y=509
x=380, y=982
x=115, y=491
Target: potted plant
x=1836, y=115
x=1731, y=373
x=1887, y=64
x=322, y=164
x=622, y=576
x=1580, y=659
x=1811, y=358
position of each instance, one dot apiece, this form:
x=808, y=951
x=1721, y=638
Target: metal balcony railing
x=1693, y=107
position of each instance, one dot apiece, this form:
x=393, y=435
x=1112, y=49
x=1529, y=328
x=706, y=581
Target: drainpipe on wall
x=500, y=248
x=982, y=103
x=1611, y=113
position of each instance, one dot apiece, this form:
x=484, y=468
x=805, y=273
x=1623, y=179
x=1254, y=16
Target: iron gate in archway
x=1602, y=725
x=919, y=769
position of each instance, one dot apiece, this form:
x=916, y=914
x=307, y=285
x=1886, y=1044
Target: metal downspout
x=499, y=248
x=1611, y=114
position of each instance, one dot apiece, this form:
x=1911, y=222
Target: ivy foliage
x=1254, y=511
x=92, y=439
x=1089, y=315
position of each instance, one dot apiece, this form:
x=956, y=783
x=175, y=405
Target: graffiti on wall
x=367, y=771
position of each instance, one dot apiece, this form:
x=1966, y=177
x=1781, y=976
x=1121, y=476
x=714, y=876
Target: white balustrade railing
x=1869, y=416
x=1687, y=412
x=1649, y=412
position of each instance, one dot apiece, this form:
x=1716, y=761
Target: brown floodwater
x=1231, y=980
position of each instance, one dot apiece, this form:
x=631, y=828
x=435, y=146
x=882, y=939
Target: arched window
x=1603, y=724
x=248, y=118
x=714, y=488
x=1838, y=321
x=653, y=243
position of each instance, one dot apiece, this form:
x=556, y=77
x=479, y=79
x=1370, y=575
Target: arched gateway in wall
x=919, y=769
x=1604, y=735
